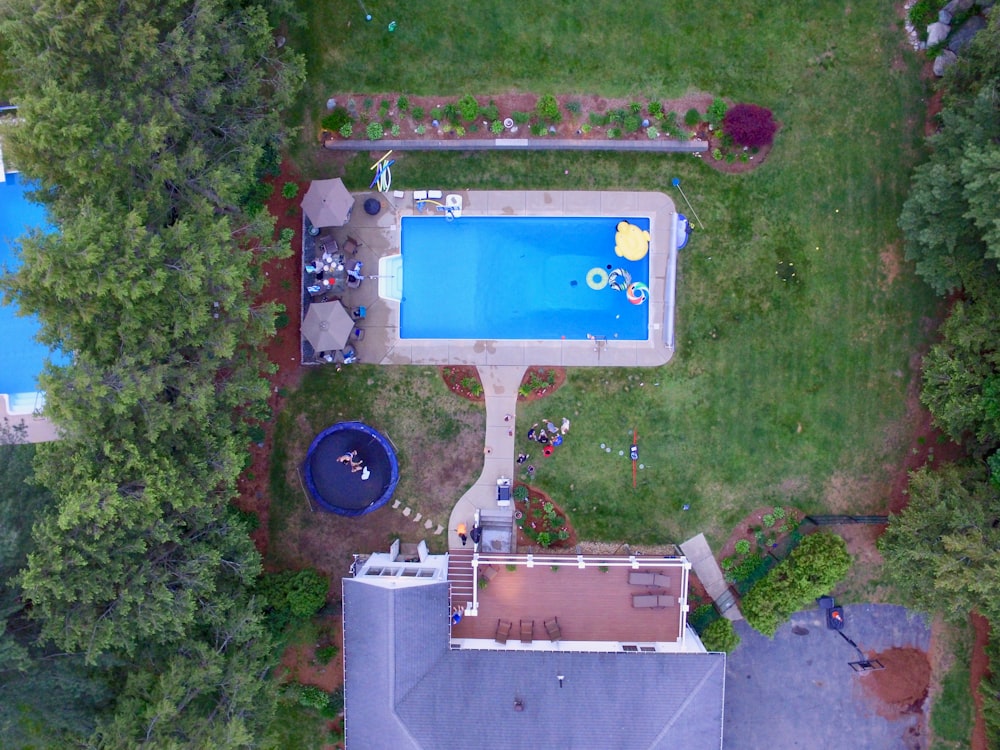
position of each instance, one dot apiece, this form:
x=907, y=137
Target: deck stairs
x=460, y=576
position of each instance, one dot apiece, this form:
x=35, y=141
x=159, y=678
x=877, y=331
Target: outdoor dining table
x=334, y=279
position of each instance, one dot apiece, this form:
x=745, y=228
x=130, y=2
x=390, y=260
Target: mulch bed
x=464, y=381
x=534, y=503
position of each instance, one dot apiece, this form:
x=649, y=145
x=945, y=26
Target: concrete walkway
x=703, y=562
x=500, y=384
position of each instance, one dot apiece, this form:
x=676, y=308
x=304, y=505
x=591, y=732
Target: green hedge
x=720, y=636
x=819, y=562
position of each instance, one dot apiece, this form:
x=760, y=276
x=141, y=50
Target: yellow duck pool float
x=631, y=242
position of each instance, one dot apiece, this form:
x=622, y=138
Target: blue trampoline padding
x=334, y=486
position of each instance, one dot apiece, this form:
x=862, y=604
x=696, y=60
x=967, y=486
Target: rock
x=964, y=35
x=958, y=6
x=944, y=17
x=944, y=61
x=937, y=33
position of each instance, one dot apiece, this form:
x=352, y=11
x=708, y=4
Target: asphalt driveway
x=797, y=690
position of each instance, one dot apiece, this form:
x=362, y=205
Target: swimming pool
x=21, y=356
x=518, y=278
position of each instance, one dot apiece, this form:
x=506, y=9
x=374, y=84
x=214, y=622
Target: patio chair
x=641, y=579
x=350, y=356
x=359, y=313
x=527, y=630
x=503, y=631
x=488, y=572
x=645, y=601
x=351, y=246
x=552, y=628
x=358, y=334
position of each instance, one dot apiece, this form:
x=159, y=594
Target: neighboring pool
x=517, y=277
x=21, y=356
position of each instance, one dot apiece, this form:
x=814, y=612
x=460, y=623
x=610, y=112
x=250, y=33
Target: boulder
x=937, y=33
x=944, y=17
x=944, y=61
x=958, y=6
x=964, y=35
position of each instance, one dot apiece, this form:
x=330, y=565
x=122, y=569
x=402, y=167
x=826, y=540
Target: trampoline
x=332, y=482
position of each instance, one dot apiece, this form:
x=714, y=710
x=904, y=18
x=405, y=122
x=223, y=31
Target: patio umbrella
x=327, y=325
x=328, y=203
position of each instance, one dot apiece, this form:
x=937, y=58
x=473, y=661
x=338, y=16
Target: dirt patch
x=900, y=688
x=753, y=522
x=979, y=668
x=300, y=663
x=891, y=258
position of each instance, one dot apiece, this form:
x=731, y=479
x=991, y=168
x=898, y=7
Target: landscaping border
x=520, y=144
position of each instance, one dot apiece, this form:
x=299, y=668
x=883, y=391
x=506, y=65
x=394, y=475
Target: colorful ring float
x=597, y=278
x=619, y=279
x=637, y=293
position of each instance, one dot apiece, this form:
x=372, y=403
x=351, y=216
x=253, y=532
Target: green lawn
x=778, y=391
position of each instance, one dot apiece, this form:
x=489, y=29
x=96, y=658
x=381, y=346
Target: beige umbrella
x=328, y=203
x=327, y=325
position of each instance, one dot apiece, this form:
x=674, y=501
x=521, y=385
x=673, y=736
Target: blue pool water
x=21, y=356
x=516, y=277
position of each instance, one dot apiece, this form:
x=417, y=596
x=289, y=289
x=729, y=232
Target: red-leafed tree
x=750, y=125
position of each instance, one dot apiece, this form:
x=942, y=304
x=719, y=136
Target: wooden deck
x=591, y=605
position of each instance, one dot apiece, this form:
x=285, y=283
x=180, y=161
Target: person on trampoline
x=348, y=458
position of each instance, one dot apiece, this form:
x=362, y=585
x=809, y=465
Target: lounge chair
x=553, y=629
x=645, y=601
x=641, y=579
x=527, y=630
x=664, y=601
x=503, y=631
x=661, y=581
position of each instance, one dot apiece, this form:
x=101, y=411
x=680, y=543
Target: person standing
x=463, y=533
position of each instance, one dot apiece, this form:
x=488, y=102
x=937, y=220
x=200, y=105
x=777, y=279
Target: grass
x=952, y=711
x=777, y=388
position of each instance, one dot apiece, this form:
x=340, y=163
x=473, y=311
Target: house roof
x=406, y=688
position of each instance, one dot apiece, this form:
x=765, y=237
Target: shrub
x=437, y=113
x=670, y=122
x=374, y=131
x=743, y=547
x=291, y=595
x=587, y=127
x=496, y=127
x=720, y=636
x=473, y=386
x=537, y=128
x=750, y=126
x=818, y=563
x=490, y=112
x=367, y=104
x=325, y=654
x=635, y=108
x=617, y=116
x=743, y=569
x=337, y=118
x=420, y=129
x=468, y=107
x=692, y=117
x=383, y=107
x=598, y=119
x=417, y=114
x=311, y=696
x=402, y=104
x=347, y=129
x=655, y=109
x=632, y=123
x=716, y=111
x=547, y=108
x=614, y=133
x=289, y=190
x=652, y=133
x=452, y=114
x=520, y=492
x=459, y=130
x=394, y=130
x=521, y=118
x=544, y=539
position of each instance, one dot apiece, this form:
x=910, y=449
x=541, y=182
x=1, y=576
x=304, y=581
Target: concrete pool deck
x=379, y=238
x=502, y=363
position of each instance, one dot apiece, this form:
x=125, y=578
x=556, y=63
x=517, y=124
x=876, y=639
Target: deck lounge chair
x=664, y=601
x=553, y=629
x=527, y=630
x=503, y=631
x=661, y=581
x=641, y=579
x=645, y=601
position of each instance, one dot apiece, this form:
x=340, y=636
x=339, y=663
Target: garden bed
x=374, y=117
x=540, y=522
x=536, y=383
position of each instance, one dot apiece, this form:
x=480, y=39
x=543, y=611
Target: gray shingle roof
x=407, y=689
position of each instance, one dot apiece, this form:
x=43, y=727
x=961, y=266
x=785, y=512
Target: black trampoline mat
x=336, y=483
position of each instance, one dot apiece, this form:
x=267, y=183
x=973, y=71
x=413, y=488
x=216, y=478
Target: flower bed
x=541, y=521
